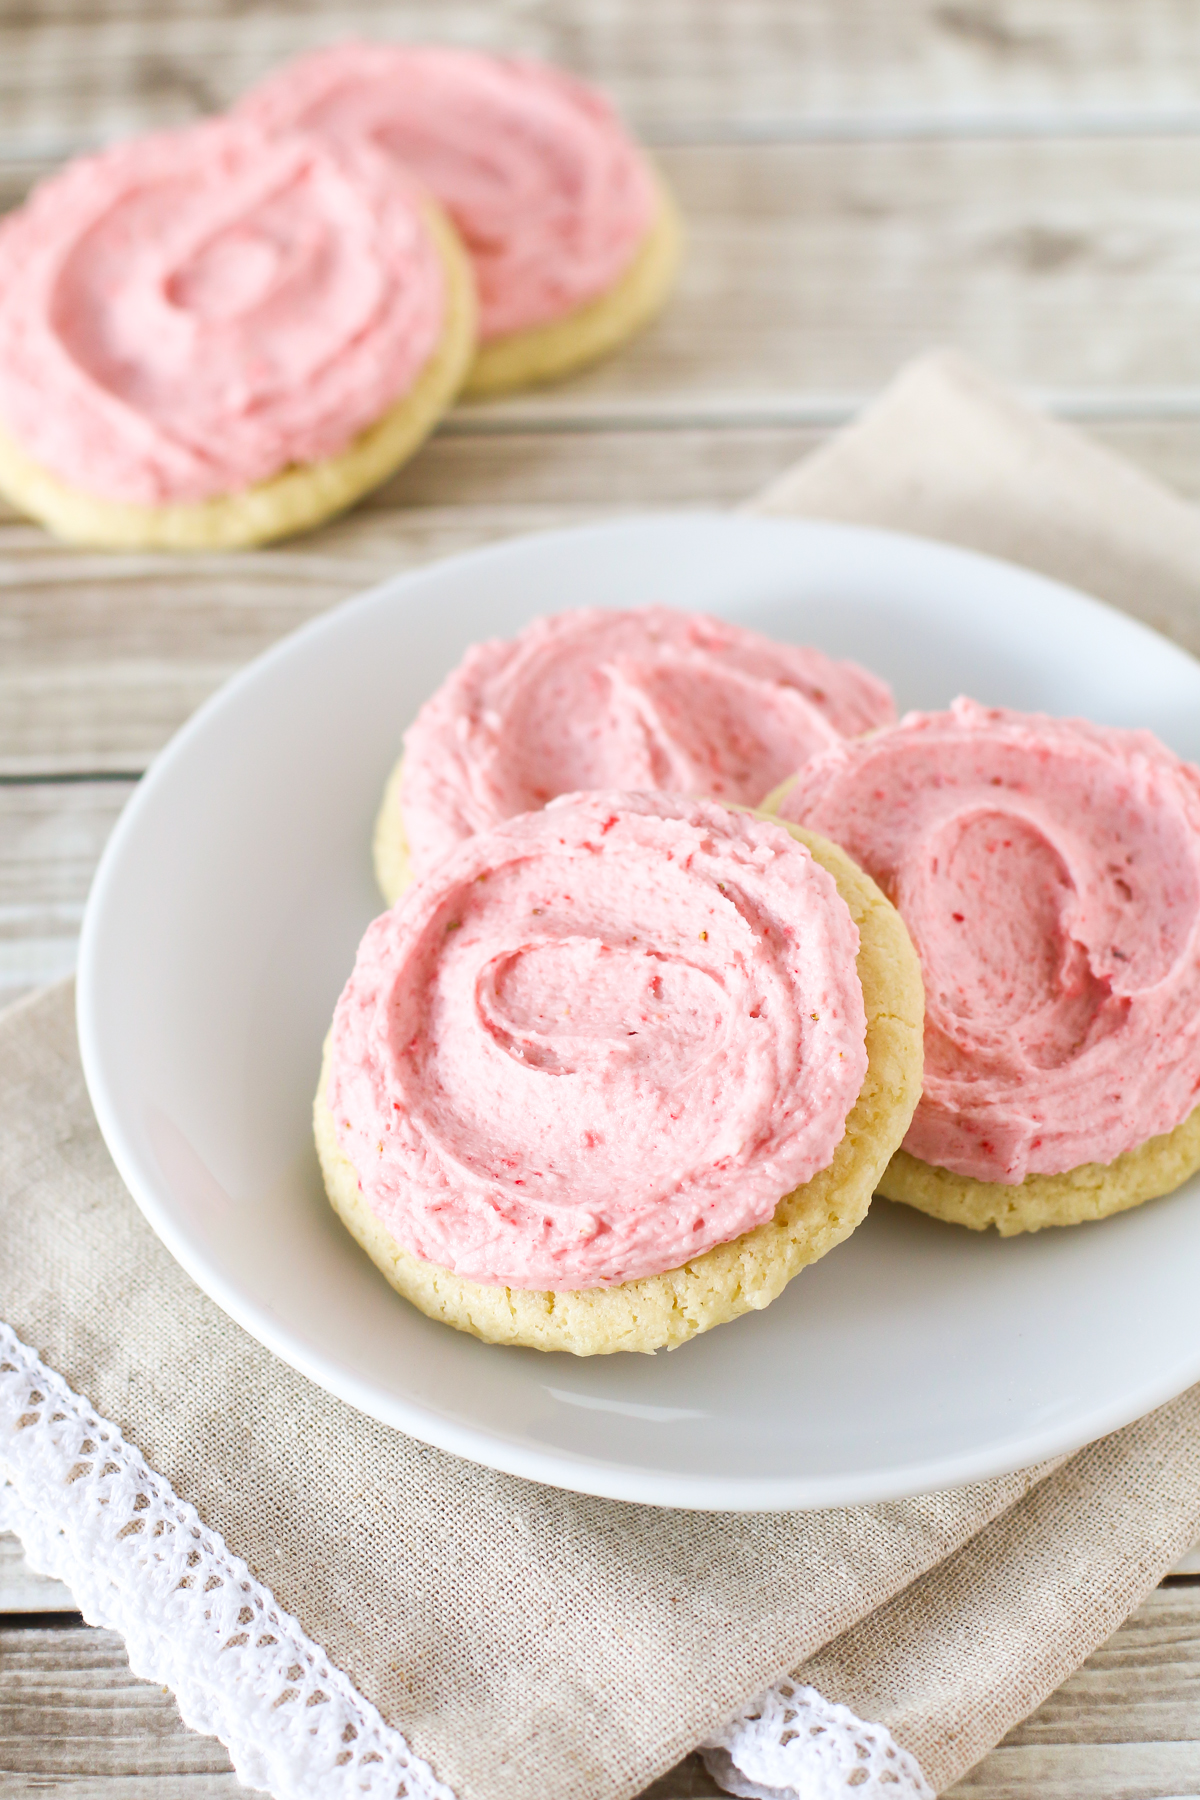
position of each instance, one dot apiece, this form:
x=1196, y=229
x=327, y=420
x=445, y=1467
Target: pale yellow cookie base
x=294, y=500
x=1091, y=1191
x=389, y=846
x=546, y=352
x=742, y=1276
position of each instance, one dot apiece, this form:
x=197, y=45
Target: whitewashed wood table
x=862, y=179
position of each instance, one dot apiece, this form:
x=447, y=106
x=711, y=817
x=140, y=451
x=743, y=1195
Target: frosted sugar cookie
x=1049, y=872
x=212, y=337
x=574, y=238
x=615, y=1071
x=650, y=698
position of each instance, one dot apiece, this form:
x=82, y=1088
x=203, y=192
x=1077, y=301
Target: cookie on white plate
x=615, y=1071
x=1049, y=872
x=645, y=698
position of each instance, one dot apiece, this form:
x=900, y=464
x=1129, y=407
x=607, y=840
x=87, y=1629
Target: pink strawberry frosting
x=186, y=314
x=598, y=1040
x=549, y=192
x=651, y=698
x=1049, y=872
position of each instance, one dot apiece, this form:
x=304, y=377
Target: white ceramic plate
x=224, y=920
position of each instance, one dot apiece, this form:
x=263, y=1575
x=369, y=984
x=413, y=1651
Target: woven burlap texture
x=530, y=1641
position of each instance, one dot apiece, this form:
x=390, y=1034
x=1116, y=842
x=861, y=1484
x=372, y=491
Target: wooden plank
x=1143, y=1685
x=689, y=1780
x=98, y=670
x=1126, y=1727
x=615, y=468
x=510, y=476
x=102, y=657
x=202, y=1785
x=73, y=1719
x=51, y=836
x=24, y=1591
x=534, y=479
x=106, y=656
x=77, y=73
x=815, y=269
x=1117, y=1771
x=694, y=465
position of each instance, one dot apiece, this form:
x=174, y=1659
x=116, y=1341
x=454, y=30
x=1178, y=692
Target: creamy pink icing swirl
x=1049, y=872
x=547, y=189
x=598, y=1040
x=651, y=698
x=187, y=314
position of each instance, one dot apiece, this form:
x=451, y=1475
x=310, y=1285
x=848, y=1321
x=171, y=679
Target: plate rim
x=494, y=1449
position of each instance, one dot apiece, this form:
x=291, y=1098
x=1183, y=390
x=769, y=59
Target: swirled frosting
x=1049, y=873
x=598, y=1040
x=650, y=698
x=186, y=314
x=548, y=191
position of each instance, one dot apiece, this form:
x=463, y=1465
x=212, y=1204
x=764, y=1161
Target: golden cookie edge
x=546, y=353
x=1088, y=1191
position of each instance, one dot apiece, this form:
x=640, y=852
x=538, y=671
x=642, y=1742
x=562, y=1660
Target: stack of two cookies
x=620, y=1061
x=216, y=336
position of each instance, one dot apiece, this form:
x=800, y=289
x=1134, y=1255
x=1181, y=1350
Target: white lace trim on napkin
x=792, y=1744
x=194, y=1619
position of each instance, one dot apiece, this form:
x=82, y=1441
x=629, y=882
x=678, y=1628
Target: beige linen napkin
x=528, y=1641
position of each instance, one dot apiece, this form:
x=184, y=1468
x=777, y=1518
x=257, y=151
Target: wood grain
x=1127, y=1726
x=862, y=178
x=1144, y=1684
x=75, y=73
x=51, y=837
x=815, y=269
x=103, y=657
x=70, y=1709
